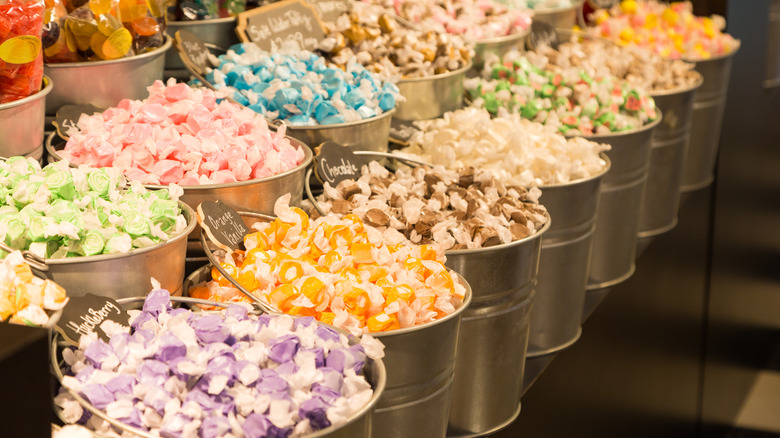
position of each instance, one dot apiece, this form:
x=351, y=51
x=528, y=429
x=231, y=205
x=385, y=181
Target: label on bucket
x=193, y=52
x=401, y=132
x=271, y=26
x=330, y=10
x=92, y=314
x=542, y=34
x=223, y=225
x=336, y=163
x=68, y=116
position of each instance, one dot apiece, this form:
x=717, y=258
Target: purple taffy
x=283, y=348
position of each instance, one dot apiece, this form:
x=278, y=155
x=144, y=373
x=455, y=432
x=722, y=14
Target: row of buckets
x=462, y=376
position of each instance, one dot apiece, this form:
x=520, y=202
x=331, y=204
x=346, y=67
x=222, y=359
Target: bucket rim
x=611, y=135
x=602, y=155
x=717, y=58
x=335, y=126
x=574, y=6
x=446, y=75
x=307, y=160
x=189, y=214
x=48, y=85
x=487, y=249
x=680, y=90
x=154, y=53
x=194, y=23
x=487, y=42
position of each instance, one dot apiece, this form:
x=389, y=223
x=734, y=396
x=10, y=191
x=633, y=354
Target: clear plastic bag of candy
x=145, y=20
x=21, y=61
x=96, y=33
x=54, y=39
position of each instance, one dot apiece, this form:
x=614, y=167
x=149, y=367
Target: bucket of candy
x=284, y=376
x=375, y=278
x=105, y=83
x=93, y=235
x=566, y=247
x=667, y=158
x=430, y=97
x=562, y=18
x=369, y=134
x=21, y=123
x=708, y=108
x=219, y=32
x=498, y=46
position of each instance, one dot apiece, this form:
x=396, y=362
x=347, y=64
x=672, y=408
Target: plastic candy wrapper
x=340, y=271
x=517, y=151
x=24, y=298
x=59, y=44
x=463, y=209
x=670, y=30
x=378, y=42
x=21, y=61
x=60, y=211
x=181, y=135
x=190, y=10
x=218, y=374
x=300, y=88
x=568, y=99
x=475, y=20
x=145, y=20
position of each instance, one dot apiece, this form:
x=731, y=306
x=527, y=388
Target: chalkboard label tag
x=289, y=20
x=92, y=314
x=336, y=163
x=401, y=132
x=223, y=225
x=330, y=10
x=68, y=116
x=193, y=52
x=543, y=34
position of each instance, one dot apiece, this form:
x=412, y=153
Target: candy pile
x=475, y=20
x=378, y=42
x=61, y=211
x=340, y=271
x=21, y=63
x=462, y=209
x=181, y=135
x=298, y=87
x=518, y=152
x=642, y=69
x=25, y=298
x=184, y=374
x=98, y=30
x=568, y=99
x=671, y=30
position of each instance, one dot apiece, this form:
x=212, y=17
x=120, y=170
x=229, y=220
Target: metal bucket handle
x=408, y=161
x=264, y=306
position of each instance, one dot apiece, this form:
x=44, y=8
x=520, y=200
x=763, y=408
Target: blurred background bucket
x=560, y=18
x=430, y=97
x=22, y=124
x=498, y=46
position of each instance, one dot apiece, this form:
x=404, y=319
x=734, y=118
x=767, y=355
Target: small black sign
x=288, y=20
x=330, y=10
x=91, y=314
x=542, y=34
x=401, y=132
x=68, y=116
x=335, y=163
x=193, y=52
x=223, y=225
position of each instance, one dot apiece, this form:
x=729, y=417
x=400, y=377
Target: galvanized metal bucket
x=622, y=192
x=369, y=134
x=432, y=96
x=708, y=108
x=219, y=32
x=561, y=18
x=494, y=333
x=21, y=123
x=358, y=425
x=104, y=83
x=667, y=157
x=498, y=46
x=564, y=263
x=126, y=275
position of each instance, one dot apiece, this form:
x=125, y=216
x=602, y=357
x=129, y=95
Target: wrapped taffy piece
x=24, y=298
x=341, y=271
x=464, y=209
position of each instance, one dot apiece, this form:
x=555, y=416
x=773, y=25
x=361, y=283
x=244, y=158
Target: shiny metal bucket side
x=126, y=275
x=560, y=18
x=432, y=96
x=104, y=83
x=218, y=31
x=364, y=135
x=494, y=333
x=498, y=46
x=566, y=248
x=21, y=123
x=622, y=190
x=708, y=108
x=667, y=157
x=420, y=364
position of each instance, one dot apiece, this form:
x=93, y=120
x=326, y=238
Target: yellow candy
x=626, y=35
x=100, y=7
x=628, y=6
x=670, y=16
